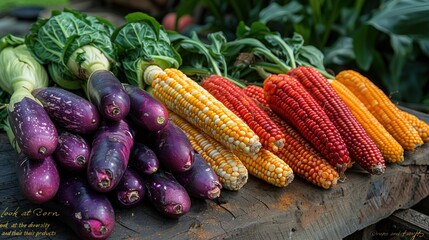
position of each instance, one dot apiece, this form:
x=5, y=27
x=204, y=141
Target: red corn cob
x=362, y=148
x=298, y=153
x=256, y=93
x=236, y=100
x=288, y=98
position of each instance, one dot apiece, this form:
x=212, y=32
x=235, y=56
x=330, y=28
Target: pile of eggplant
x=105, y=163
x=88, y=142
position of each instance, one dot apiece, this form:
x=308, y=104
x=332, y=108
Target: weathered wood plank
x=258, y=211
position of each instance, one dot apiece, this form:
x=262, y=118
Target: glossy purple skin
x=72, y=152
x=143, y=159
x=35, y=133
x=107, y=93
x=173, y=148
x=38, y=180
x=87, y=212
x=130, y=191
x=201, y=180
x=69, y=110
x=146, y=111
x=167, y=195
x=109, y=156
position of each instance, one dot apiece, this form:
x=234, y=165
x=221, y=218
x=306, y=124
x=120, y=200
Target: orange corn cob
x=263, y=165
x=232, y=173
x=298, y=153
x=362, y=148
x=189, y=100
x=389, y=147
x=287, y=97
x=237, y=101
x=386, y=112
x=421, y=126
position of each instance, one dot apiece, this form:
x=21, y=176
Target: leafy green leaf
x=277, y=12
x=363, y=45
x=403, y=17
x=55, y=39
x=141, y=42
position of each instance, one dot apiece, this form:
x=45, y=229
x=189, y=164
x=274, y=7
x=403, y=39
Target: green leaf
x=424, y=46
x=363, y=45
x=279, y=13
x=403, y=47
x=55, y=39
x=141, y=42
x=403, y=17
x=10, y=41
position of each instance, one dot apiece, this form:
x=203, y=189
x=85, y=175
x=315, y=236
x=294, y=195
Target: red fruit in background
x=184, y=21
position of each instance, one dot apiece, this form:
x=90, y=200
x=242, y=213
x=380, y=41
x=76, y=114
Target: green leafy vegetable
x=142, y=42
x=78, y=43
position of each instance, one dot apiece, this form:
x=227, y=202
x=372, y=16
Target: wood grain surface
x=257, y=211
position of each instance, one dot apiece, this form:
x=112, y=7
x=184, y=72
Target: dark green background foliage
x=386, y=40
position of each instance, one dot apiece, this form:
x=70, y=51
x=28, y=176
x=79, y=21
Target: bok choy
x=34, y=133
x=78, y=52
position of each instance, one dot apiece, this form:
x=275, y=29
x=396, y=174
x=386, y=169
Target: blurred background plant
x=386, y=40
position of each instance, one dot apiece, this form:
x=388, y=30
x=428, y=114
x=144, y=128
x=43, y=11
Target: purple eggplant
x=107, y=93
x=201, y=180
x=173, y=148
x=72, y=152
x=69, y=110
x=130, y=191
x=110, y=151
x=87, y=212
x=38, y=180
x=146, y=111
x=35, y=133
x=143, y=159
x=167, y=195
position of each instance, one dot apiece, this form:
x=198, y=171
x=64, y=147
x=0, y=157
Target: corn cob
x=256, y=93
x=298, y=153
x=389, y=147
x=232, y=173
x=386, y=112
x=267, y=166
x=263, y=165
x=421, y=126
x=362, y=148
x=287, y=97
x=234, y=98
x=189, y=100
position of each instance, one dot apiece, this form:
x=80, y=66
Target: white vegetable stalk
x=86, y=60
x=21, y=74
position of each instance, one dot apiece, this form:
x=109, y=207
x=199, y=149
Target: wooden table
x=257, y=211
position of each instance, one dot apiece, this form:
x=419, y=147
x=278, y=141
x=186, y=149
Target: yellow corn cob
x=421, y=126
x=189, y=100
x=267, y=166
x=391, y=150
x=379, y=104
x=263, y=165
x=232, y=173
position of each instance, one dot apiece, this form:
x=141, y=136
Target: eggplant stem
x=42, y=150
x=133, y=196
x=160, y=120
x=80, y=160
